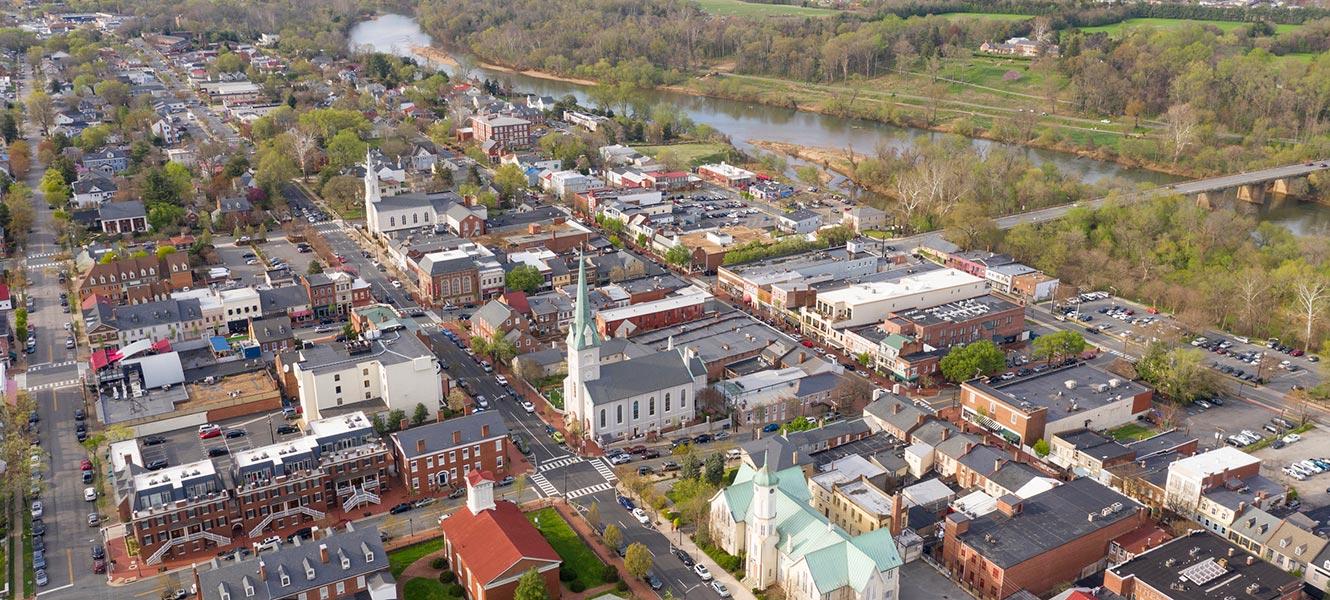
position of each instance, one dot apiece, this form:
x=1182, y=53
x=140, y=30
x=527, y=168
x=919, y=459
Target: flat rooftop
x=654, y=306
x=235, y=389
x=1064, y=392
x=1203, y=566
x=739, y=233
x=915, y=283
x=717, y=337
x=959, y=311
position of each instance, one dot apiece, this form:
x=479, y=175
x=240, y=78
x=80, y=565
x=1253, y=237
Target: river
x=745, y=121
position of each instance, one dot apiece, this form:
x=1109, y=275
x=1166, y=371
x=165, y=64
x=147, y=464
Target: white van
x=733, y=454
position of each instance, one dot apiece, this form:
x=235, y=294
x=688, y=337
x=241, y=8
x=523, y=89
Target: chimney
x=323, y=553
x=898, y=514
x=997, y=464
x=420, y=446
x=946, y=433
x=263, y=570
x=956, y=524
x=1009, y=504
x=404, y=425
x=194, y=572
x=439, y=415
x=1251, y=560
x=1231, y=550
x=457, y=437
x=896, y=408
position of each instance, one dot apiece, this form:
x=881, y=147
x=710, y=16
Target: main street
x=53, y=382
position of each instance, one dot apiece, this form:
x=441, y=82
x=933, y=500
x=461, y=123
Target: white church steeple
x=372, y=194
x=583, y=347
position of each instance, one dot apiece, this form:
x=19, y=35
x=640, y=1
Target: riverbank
x=830, y=159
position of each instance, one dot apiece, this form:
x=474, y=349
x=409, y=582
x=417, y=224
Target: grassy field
x=694, y=154
x=1117, y=28
x=420, y=588
x=739, y=8
x=399, y=560
x=1131, y=432
x=986, y=16
x=577, y=557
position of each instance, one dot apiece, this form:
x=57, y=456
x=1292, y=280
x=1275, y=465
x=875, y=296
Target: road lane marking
x=70, y=585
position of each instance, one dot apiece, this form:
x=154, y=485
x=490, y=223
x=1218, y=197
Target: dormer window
x=249, y=588
x=309, y=570
x=369, y=554
x=285, y=580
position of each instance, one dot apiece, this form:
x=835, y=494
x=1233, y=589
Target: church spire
x=372, y=194
x=583, y=333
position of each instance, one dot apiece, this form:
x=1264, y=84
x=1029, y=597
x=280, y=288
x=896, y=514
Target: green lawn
x=399, y=560
x=739, y=8
x=1131, y=432
x=420, y=588
x=693, y=153
x=1117, y=28
x=577, y=557
x=988, y=16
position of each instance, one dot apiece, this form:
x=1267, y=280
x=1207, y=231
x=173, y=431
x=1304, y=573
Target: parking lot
x=184, y=446
x=1238, y=359
x=245, y=265
x=1312, y=489
x=865, y=447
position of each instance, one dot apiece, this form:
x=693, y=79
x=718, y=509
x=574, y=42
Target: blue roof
x=219, y=344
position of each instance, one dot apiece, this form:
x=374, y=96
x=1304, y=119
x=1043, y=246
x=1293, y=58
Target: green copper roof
x=583, y=333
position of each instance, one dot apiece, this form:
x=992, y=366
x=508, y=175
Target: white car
x=38, y=509
x=641, y=516
x=528, y=406
x=702, y=571
x=720, y=589
x=501, y=379
x=1291, y=438
x=397, y=284
x=90, y=494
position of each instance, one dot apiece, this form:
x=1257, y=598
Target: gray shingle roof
x=297, y=563
x=128, y=209
x=492, y=314
x=439, y=436
x=644, y=374
x=904, y=419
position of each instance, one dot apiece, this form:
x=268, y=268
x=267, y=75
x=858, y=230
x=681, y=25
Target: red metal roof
x=492, y=542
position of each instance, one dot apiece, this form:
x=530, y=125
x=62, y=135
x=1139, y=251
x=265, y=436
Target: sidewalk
x=737, y=589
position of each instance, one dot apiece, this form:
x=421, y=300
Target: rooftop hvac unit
x=1114, y=383
x=1069, y=384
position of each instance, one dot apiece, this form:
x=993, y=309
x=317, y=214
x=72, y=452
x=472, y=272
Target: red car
x=99, y=566
x=341, y=259
x=86, y=465
x=209, y=430
x=807, y=343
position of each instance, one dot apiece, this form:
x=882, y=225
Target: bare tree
x=1181, y=131
x=1250, y=289
x=1309, y=296
x=303, y=143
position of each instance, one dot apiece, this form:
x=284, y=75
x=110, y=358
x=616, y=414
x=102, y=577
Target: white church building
x=616, y=398
x=768, y=517
x=441, y=211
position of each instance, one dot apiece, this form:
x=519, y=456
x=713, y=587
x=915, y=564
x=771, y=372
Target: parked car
x=209, y=430
x=720, y=589
x=626, y=503
x=400, y=508
x=641, y=516
x=702, y=571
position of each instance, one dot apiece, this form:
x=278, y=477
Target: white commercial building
x=397, y=369
x=865, y=303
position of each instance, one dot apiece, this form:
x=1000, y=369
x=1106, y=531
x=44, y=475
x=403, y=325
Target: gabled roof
x=129, y=209
x=491, y=543
x=351, y=553
x=636, y=376
x=439, y=436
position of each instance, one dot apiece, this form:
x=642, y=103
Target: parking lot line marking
x=70, y=585
x=69, y=556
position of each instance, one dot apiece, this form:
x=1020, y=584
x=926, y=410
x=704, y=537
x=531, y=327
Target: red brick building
x=1201, y=566
x=511, y=133
x=440, y=455
x=490, y=545
x=649, y=316
x=962, y=322
x=138, y=280
x=1039, y=543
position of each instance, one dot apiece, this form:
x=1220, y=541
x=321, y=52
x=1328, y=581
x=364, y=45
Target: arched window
x=602, y=417
x=392, y=221
x=683, y=398
x=651, y=407
x=442, y=478
x=415, y=218
x=635, y=410
x=667, y=402
x=618, y=414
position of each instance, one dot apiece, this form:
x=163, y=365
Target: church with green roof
x=768, y=517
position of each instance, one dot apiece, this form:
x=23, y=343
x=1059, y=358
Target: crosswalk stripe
x=544, y=484
x=562, y=462
x=604, y=469
x=591, y=489
x=55, y=385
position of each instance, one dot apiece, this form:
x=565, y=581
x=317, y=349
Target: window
x=618, y=414
x=392, y=221
x=635, y=417
x=651, y=407
x=498, y=445
x=323, y=593
x=338, y=389
x=498, y=462
x=341, y=588
x=337, y=377
x=683, y=397
x=602, y=417
x=667, y=402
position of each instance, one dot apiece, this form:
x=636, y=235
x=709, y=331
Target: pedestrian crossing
x=54, y=365
x=43, y=255
x=43, y=264
x=546, y=488
x=599, y=487
x=559, y=463
x=603, y=468
x=54, y=385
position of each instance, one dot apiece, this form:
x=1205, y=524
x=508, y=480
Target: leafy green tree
x=1058, y=345
x=692, y=467
x=612, y=536
x=525, y=278
x=164, y=251
x=1177, y=373
x=157, y=188
x=315, y=267
x=420, y=415
x=679, y=256
x=395, y=418
x=963, y=363
x=164, y=216
x=55, y=188
x=1041, y=448
x=714, y=469
x=637, y=560
x=531, y=587
x=509, y=179
x=345, y=149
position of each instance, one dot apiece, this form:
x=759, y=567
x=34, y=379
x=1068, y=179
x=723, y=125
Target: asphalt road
x=52, y=380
